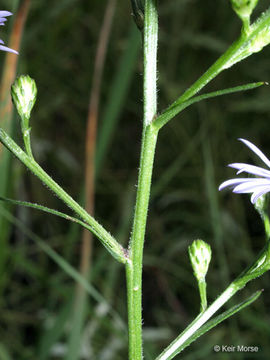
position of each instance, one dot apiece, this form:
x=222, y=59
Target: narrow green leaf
x=209, y=325
x=47, y=210
x=64, y=265
x=176, y=108
x=225, y=315
x=97, y=229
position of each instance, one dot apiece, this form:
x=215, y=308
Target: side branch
x=116, y=250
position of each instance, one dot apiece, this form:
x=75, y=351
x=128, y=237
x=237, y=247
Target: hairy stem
x=259, y=266
x=134, y=266
x=106, y=238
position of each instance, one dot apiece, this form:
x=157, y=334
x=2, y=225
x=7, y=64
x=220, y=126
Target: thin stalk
x=220, y=65
x=259, y=266
x=105, y=237
x=134, y=265
x=172, y=111
x=27, y=141
x=175, y=347
x=246, y=45
x=203, y=296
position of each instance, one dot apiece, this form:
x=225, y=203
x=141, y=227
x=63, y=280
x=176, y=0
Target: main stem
x=149, y=138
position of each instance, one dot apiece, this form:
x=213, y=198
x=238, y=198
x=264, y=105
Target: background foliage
x=58, y=51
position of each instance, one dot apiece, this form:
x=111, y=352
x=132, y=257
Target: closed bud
x=244, y=8
x=24, y=94
x=200, y=256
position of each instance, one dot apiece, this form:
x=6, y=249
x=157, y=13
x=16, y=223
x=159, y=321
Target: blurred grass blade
x=109, y=242
x=209, y=325
x=4, y=354
x=8, y=76
x=214, y=212
x=47, y=210
x=80, y=310
x=117, y=96
x=63, y=264
x=172, y=111
x=178, y=163
x=52, y=334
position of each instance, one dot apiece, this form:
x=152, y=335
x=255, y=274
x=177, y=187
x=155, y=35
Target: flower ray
x=259, y=185
x=256, y=151
x=250, y=169
x=3, y=19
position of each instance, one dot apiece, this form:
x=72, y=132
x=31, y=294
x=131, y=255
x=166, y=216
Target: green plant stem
x=172, y=111
x=266, y=225
x=176, y=346
x=149, y=138
x=27, y=141
x=210, y=74
x=134, y=266
x=221, y=64
x=256, y=269
x=202, y=290
x=107, y=239
x=244, y=46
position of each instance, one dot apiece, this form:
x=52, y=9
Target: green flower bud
x=24, y=94
x=244, y=8
x=200, y=256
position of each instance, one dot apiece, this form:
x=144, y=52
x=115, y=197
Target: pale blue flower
x=3, y=19
x=257, y=186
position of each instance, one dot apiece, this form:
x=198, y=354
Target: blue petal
x=256, y=151
x=4, y=13
x=251, y=169
x=234, y=182
x=5, y=48
x=251, y=186
x=257, y=194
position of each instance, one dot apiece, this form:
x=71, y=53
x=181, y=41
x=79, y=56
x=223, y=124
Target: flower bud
x=244, y=8
x=200, y=257
x=24, y=93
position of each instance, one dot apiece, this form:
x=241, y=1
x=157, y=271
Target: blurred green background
x=36, y=294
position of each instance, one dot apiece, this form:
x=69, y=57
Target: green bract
x=24, y=94
x=260, y=205
x=200, y=257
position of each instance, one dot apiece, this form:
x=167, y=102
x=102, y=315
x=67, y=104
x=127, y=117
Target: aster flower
x=3, y=19
x=258, y=186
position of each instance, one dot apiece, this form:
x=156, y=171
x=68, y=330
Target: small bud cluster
x=244, y=8
x=24, y=94
x=200, y=256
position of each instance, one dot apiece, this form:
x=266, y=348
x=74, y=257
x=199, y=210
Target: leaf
x=65, y=266
x=176, y=108
x=208, y=326
x=47, y=210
